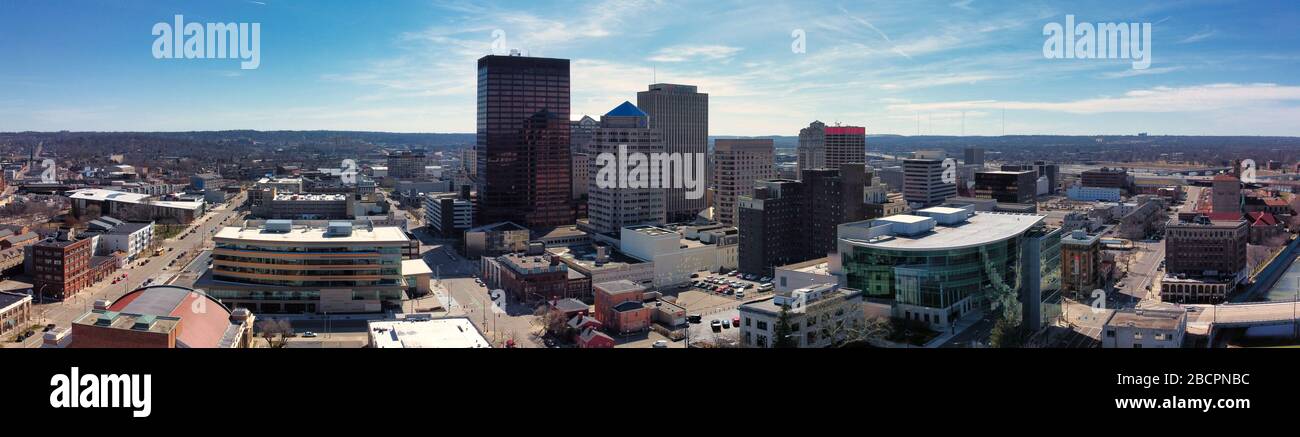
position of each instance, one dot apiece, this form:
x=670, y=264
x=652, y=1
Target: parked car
x=716, y=325
x=309, y=334
x=735, y=321
x=726, y=324
x=693, y=318
x=740, y=294
x=661, y=344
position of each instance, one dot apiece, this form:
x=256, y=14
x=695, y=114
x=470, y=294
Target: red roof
x=846, y=130
x=203, y=324
x=1262, y=219
x=1274, y=201
x=1224, y=216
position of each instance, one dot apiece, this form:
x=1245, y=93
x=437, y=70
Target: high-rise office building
x=974, y=156
x=621, y=201
x=923, y=182
x=581, y=133
x=822, y=146
x=681, y=114
x=737, y=165
x=845, y=145
x=812, y=147
x=1006, y=186
x=523, y=144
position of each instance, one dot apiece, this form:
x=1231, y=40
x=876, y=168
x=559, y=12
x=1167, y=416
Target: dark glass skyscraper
x=523, y=141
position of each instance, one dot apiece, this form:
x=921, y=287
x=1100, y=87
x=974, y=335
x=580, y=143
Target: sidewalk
x=961, y=326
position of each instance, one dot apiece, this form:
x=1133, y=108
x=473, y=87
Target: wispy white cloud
x=692, y=52
x=1129, y=72
x=1199, y=98
x=1199, y=36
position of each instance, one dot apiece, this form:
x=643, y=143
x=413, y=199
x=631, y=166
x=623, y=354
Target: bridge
x=1205, y=319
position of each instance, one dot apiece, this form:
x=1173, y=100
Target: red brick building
x=620, y=306
x=534, y=277
x=590, y=338
x=62, y=265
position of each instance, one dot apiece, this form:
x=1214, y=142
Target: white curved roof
x=980, y=229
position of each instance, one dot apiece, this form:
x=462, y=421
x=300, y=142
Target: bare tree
x=275, y=331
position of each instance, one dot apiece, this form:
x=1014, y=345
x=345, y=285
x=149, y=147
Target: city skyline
x=936, y=69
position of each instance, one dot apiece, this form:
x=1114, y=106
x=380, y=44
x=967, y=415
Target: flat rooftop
x=100, y=195
x=820, y=266
x=288, y=197
x=8, y=299
x=418, y=333
x=979, y=229
x=1165, y=319
x=312, y=234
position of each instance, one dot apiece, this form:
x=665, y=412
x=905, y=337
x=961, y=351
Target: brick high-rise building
x=786, y=222
x=681, y=115
x=523, y=146
x=737, y=165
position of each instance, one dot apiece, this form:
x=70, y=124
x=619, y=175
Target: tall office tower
x=737, y=165
x=974, y=156
x=580, y=134
x=681, y=114
x=845, y=145
x=923, y=182
x=523, y=141
x=812, y=147
x=787, y=221
x=614, y=197
x=1053, y=173
x=1225, y=194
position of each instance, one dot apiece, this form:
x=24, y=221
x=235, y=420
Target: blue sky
x=1218, y=67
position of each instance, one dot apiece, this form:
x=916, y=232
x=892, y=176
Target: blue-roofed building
x=625, y=116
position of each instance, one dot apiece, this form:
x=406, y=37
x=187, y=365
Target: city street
x=62, y=313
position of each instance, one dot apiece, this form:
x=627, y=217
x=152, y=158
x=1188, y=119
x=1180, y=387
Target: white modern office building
x=288, y=267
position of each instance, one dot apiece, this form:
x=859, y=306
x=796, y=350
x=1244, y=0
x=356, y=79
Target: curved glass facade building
x=943, y=263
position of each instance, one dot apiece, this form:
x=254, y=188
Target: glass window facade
x=933, y=278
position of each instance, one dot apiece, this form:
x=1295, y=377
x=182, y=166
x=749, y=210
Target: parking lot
x=714, y=296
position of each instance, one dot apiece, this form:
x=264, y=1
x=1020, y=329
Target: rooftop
x=312, y=234
x=426, y=332
x=980, y=229
x=8, y=299
x=100, y=195
x=1163, y=318
x=820, y=266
